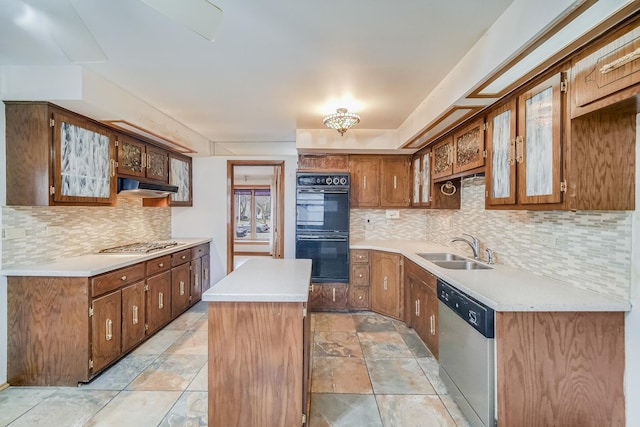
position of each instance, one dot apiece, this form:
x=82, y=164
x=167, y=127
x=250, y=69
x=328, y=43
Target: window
x=252, y=213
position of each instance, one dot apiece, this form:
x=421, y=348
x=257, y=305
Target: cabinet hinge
x=90, y=363
x=146, y=326
x=563, y=186
x=117, y=142
x=146, y=287
x=91, y=312
x=304, y=419
x=563, y=85
x=485, y=126
x=304, y=312
x=486, y=194
x=52, y=123
x=52, y=190
x=484, y=154
x=401, y=262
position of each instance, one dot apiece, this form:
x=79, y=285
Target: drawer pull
x=160, y=300
x=109, y=334
x=181, y=287
x=161, y=265
x=135, y=315
x=334, y=294
x=183, y=257
x=624, y=60
x=123, y=278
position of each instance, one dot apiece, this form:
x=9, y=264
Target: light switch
x=393, y=214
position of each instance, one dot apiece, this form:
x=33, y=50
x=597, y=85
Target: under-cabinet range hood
x=134, y=188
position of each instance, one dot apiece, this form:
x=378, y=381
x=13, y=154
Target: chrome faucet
x=475, y=245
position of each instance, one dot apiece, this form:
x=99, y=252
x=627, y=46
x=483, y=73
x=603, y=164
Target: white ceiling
x=275, y=65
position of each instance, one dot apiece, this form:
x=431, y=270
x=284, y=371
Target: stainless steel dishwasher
x=467, y=366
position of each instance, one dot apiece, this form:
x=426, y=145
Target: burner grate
x=140, y=247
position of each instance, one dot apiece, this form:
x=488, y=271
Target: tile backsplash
x=589, y=250
x=78, y=230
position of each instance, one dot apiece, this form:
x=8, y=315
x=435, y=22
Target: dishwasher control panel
x=472, y=311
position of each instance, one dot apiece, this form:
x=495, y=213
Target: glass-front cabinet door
x=417, y=182
x=443, y=158
x=84, y=161
x=426, y=179
x=180, y=176
x=539, y=146
x=501, y=155
x=132, y=159
x=469, y=147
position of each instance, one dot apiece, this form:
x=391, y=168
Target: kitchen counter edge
x=95, y=264
x=502, y=288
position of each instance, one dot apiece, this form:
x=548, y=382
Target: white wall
x=632, y=323
x=208, y=216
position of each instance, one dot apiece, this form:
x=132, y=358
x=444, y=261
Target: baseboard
x=3, y=386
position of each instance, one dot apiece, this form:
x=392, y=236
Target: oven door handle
x=322, y=191
x=322, y=239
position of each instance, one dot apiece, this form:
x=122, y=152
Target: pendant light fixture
x=341, y=120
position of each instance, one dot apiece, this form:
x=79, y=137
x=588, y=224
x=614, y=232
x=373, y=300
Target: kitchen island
x=259, y=344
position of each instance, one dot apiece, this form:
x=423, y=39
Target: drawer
x=610, y=66
x=358, y=298
x=158, y=265
x=359, y=256
x=359, y=275
x=180, y=257
x=116, y=279
x=199, y=251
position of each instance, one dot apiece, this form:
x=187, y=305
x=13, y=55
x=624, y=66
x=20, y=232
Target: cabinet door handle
x=451, y=155
x=206, y=274
x=364, y=181
x=143, y=160
x=135, y=315
x=511, y=155
x=395, y=182
x=109, y=334
x=416, y=307
x=113, y=168
x=384, y=283
x=360, y=275
x=334, y=294
x=148, y=161
x=123, y=278
x=181, y=287
x=519, y=149
x=196, y=280
x=160, y=300
x=432, y=324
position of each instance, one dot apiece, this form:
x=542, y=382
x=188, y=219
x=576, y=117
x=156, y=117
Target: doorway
x=255, y=204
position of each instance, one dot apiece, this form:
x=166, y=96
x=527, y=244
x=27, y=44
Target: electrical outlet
x=368, y=226
x=392, y=214
x=13, y=233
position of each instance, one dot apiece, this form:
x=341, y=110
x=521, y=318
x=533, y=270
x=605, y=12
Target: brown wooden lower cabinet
x=422, y=304
x=328, y=297
x=386, y=284
x=133, y=315
x=560, y=368
x=258, y=363
x=158, y=301
x=65, y=330
x=359, y=298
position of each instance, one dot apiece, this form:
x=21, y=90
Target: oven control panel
x=322, y=180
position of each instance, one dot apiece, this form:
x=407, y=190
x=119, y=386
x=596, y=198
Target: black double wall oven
x=322, y=225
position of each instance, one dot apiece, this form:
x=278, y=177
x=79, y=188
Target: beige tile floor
x=368, y=370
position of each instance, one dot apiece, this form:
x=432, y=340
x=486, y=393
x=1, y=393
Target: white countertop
x=94, y=264
x=264, y=280
x=502, y=288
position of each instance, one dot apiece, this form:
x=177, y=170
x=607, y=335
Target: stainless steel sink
x=462, y=265
x=441, y=256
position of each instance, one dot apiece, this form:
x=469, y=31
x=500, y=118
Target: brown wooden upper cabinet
x=180, y=175
x=459, y=153
x=55, y=157
x=379, y=181
x=525, y=147
x=135, y=158
x=608, y=67
x=323, y=162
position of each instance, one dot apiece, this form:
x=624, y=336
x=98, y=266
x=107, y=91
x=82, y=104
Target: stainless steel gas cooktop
x=140, y=247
